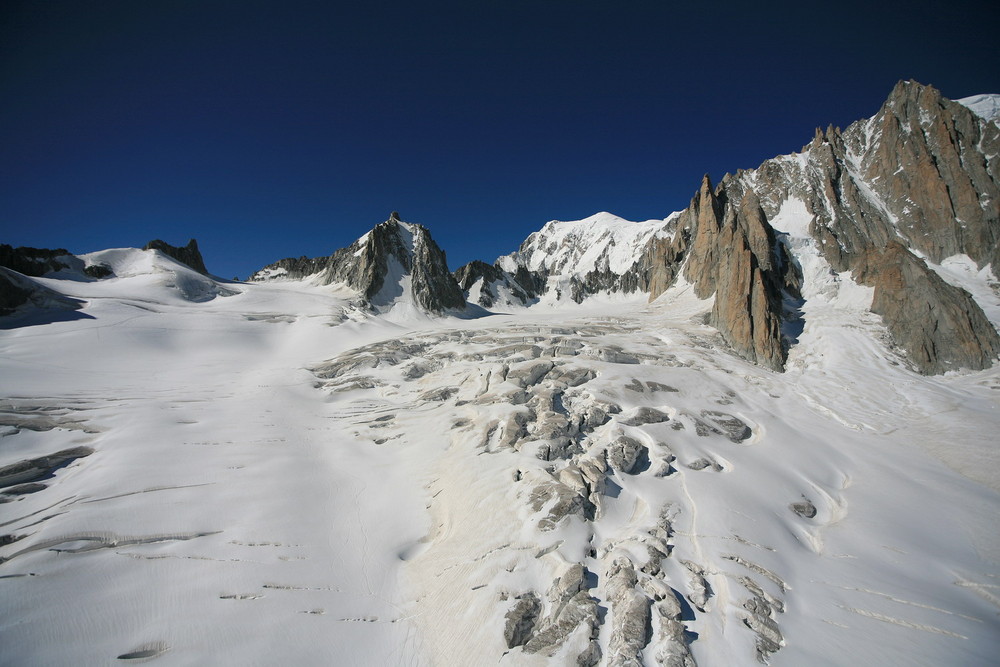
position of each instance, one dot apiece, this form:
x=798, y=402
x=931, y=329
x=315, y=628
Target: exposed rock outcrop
x=730, y=251
x=920, y=174
x=17, y=290
x=939, y=324
x=377, y=266
x=189, y=254
x=493, y=285
x=35, y=262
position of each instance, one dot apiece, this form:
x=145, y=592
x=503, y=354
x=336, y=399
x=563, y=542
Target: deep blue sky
x=274, y=129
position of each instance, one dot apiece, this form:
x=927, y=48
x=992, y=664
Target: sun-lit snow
x=265, y=489
x=984, y=106
x=601, y=241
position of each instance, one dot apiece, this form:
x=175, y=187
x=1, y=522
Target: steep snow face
x=276, y=477
x=567, y=262
x=986, y=107
x=601, y=241
x=396, y=283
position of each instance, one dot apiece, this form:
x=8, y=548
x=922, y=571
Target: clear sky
x=285, y=128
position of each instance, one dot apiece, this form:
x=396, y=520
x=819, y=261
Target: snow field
x=278, y=477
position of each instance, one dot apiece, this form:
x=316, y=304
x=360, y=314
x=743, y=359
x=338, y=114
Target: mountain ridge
x=887, y=200
x=922, y=158
x=377, y=263
x=604, y=469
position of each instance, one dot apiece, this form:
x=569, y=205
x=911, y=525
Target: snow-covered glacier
x=274, y=474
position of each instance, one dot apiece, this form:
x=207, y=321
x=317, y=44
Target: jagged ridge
x=189, y=254
x=377, y=266
x=917, y=180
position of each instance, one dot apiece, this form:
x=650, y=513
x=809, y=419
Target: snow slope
x=278, y=478
x=986, y=107
x=603, y=247
x=602, y=240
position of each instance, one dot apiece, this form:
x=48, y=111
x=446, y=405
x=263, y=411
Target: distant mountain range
x=883, y=202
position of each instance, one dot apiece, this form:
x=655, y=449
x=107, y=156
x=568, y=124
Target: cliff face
x=189, y=254
x=919, y=179
x=394, y=260
x=34, y=262
x=730, y=251
x=940, y=326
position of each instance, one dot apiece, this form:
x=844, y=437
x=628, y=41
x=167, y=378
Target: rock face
x=938, y=324
x=16, y=290
x=917, y=180
x=395, y=260
x=188, y=254
x=730, y=251
x=35, y=262
x=489, y=285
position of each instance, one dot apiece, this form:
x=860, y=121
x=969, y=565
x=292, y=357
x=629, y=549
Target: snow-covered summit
x=984, y=106
x=602, y=241
x=569, y=261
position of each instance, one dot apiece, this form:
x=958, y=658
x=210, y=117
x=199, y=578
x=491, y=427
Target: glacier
x=277, y=475
x=563, y=458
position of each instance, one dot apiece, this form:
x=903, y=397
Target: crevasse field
x=272, y=476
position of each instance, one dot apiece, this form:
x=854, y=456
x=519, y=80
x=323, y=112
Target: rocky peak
x=934, y=165
x=728, y=249
x=395, y=261
x=189, y=254
x=918, y=179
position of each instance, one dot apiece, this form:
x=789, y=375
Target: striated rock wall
x=730, y=251
x=939, y=325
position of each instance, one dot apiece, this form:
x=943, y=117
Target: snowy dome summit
x=758, y=431
x=986, y=107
